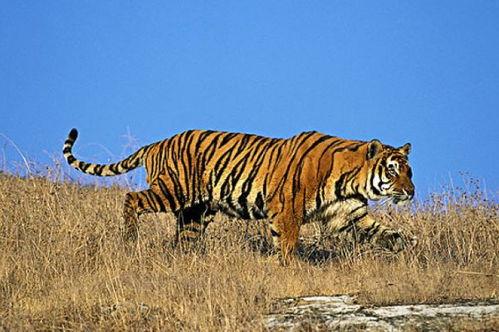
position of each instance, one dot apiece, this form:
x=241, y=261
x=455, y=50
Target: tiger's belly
x=337, y=216
x=243, y=209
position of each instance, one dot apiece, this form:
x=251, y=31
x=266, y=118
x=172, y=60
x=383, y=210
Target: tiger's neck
x=347, y=180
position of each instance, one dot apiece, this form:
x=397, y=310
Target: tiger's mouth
x=400, y=201
x=402, y=198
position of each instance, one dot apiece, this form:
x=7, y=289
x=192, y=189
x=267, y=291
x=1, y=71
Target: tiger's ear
x=373, y=148
x=405, y=149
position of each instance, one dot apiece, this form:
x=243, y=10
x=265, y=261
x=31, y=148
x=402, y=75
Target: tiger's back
x=243, y=174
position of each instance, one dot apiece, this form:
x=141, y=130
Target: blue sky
x=425, y=72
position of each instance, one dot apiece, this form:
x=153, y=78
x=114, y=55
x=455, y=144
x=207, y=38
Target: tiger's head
x=389, y=173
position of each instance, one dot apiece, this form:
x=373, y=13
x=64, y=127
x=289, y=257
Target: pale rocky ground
x=342, y=313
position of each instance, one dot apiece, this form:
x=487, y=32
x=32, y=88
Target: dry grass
x=62, y=265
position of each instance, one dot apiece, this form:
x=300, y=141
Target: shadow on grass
x=310, y=250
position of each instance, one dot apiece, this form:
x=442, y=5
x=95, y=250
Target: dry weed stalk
x=63, y=266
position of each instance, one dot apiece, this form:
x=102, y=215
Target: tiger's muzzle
x=403, y=196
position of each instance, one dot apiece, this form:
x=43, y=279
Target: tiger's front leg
x=284, y=229
x=352, y=216
x=370, y=230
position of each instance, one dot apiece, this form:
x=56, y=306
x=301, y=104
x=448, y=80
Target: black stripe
x=83, y=166
x=159, y=201
x=140, y=203
x=279, y=155
x=113, y=168
x=168, y=195
x=182, y=152
x=211, y=149
x=228, y=138
x=176, y=186
x=243, y=143
x=351, y=223
x=338, y=186
x=150, y=201
x=371, y=233
x=374, y=226
x=199, y=170
x=73, y=134
x=260, y=204
x=98, y=169
x=304, y=203
x=221, y=164
x=297, y=175
x=259, y=155
x=302, y=138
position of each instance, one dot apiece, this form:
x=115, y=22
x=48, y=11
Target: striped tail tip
x=68, y=144
x=73, y=134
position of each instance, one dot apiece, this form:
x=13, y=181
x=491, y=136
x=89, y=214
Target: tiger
x=287, y=182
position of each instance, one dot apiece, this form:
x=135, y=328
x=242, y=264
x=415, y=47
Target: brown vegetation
x=63, y=266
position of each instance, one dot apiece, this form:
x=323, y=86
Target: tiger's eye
x=391, y=170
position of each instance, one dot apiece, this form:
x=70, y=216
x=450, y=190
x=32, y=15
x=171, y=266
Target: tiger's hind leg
x=137, y=203
x=192, y=223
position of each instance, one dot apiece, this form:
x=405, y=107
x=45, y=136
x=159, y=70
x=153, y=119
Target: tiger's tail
x=131, y=162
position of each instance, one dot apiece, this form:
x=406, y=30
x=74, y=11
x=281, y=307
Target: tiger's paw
x=395, y=241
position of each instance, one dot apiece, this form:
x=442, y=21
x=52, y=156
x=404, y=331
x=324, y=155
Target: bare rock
x=317, y=313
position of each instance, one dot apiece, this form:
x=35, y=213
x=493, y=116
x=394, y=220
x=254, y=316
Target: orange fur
x=286, y=181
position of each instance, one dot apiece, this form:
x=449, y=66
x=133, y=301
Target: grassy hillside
x=63, y=266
